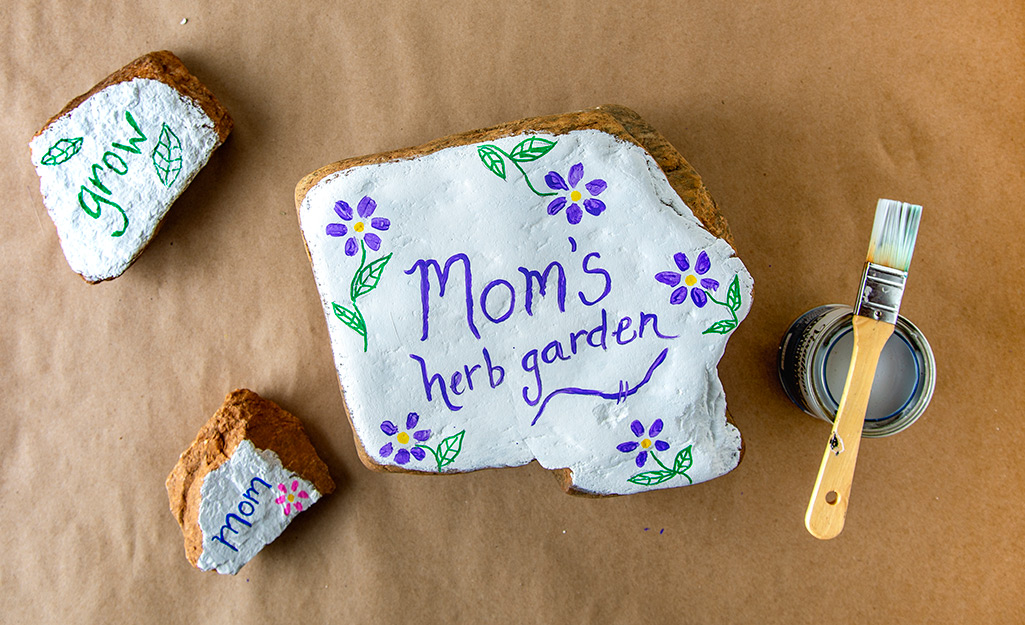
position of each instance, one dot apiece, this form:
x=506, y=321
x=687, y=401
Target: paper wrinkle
x=449, y=202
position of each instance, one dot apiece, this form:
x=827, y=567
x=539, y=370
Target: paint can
x=815, y=354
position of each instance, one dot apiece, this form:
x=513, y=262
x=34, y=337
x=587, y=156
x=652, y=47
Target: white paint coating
x=223, y=493
x=100, y=121
x=448, y=203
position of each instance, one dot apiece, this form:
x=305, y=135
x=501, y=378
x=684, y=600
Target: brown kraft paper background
x=798, y=116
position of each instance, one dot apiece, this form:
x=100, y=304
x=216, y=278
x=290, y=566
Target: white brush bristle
x=893, y=234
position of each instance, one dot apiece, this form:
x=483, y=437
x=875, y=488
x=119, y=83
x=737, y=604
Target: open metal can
x=815, y=354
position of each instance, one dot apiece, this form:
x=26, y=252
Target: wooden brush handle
x=828, y=506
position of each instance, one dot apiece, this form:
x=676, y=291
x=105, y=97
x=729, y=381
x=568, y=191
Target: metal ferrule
x=881, y=290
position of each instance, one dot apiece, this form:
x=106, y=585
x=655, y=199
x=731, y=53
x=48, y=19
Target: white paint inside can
x=896, y=381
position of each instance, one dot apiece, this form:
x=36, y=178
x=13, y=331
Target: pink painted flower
x=290, y=500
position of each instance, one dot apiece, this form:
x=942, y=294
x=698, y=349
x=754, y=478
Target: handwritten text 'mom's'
x=536, y=285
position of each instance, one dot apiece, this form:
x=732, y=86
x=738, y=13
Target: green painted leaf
x=62, y=150
x=449, y=449
x=352, y=319
x=368, y=277
x=167, y=156
x=683, y=460
x=721, y=327
x=733, y=295
x=492, y=159
x=650, y=478
x=531, y=149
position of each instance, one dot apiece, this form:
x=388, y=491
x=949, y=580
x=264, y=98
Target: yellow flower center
x=646, y=443
x=291, y=497
x=359, y=226
x=690, y=280
x=403, y=438
x=574, y=196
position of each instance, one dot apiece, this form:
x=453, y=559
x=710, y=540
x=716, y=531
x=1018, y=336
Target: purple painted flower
x=645, y=443
x=574, y=213
x=673, y=278
x=403, y=438
x=364, y=213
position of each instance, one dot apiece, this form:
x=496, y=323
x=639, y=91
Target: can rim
x=817, y=338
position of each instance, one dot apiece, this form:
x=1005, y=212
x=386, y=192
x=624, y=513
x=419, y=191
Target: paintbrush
x=882, y=286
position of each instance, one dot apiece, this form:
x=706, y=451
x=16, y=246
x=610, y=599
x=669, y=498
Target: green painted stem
x=356, y=310
x=513, y=161
x=683, y=473
x=723, y=304
x=437, y=459
x=362, y=264
x=660, y=462
x=352, y=292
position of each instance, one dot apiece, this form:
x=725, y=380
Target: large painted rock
x=558, y=289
